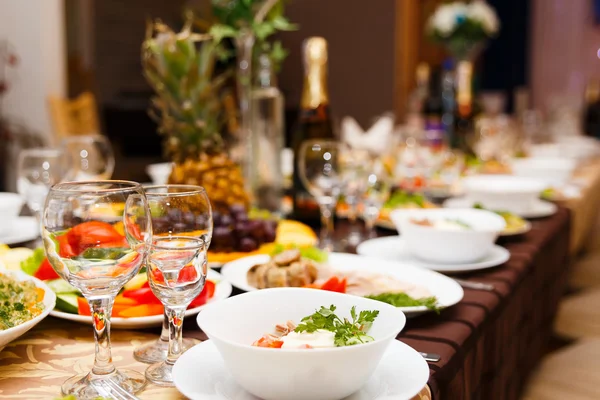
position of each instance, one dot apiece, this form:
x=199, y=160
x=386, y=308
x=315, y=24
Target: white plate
x=539, y=209
x=200, y=374
x=447, y=291
x=222, y=291
x=23, y=229
x=393, y=248
x=381, y=223
x=8, y=335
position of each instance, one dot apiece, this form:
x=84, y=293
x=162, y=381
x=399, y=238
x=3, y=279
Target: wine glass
x=37, y=170
x=354, y=168
x=177, y=267
x=378, y=188
x=92, y=156
x=318, y=167
x=196, y=222
x=98, y=257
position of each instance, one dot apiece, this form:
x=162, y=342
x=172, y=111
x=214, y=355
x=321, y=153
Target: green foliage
x=347, y=333
x=32, y=264
x=181, y=68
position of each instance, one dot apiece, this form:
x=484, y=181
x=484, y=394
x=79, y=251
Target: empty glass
x=354, y=169
x=377, y=192
x=195, y=222
x=177, y=267
x=37, y=170
x=98, y=257
x=318, y=167
x=92, y=157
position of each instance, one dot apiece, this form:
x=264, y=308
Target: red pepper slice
x=331, y=284
x=142, y=296
x=206, y=294
x=45, y=272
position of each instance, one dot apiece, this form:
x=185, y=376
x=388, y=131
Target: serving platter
x=222, y=291
x=200, y=374
x=392, y=248
x=538, y=209
x=447, y=291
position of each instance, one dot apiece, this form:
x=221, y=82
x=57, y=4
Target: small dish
x=393, y=248
x=200, y=374
x=22, y=229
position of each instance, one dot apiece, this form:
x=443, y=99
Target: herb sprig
x=347, y=333
x=404, y=300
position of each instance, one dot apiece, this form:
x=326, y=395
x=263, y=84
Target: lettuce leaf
x=32, y=264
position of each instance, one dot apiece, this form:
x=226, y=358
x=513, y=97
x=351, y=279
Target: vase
x=242, y=150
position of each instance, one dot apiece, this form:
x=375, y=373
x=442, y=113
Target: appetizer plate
x=8, y=335
x=200, y=374
x=222, y=291
x=23, y=229
x=385, y=224
x=539, y=209
x=393, y=248
x=447, y=291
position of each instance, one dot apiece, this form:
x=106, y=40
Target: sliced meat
x=277, y=277
x=287, y=257
x=299, y=275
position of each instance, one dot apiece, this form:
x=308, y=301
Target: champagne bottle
x=464, y=119
x=314, y=120
x=435, y=137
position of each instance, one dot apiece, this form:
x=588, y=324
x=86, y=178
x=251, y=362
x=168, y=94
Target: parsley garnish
x=347, y=333
x=404, y=300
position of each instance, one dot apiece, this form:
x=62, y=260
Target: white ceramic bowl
x=159, y=173
x=553, y=171
x=295, y=374
x=516, y=194
x=10, y=207
x=8, y=335
x=449, y=246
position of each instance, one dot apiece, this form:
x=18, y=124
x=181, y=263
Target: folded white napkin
x=376, y=139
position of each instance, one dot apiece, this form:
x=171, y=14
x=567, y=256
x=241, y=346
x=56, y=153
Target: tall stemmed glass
x=177, y=264
x=98, y=258
x=171, y=220
x=354, y=168
x=377, y=191
x=92, y=156
x=318, y=166
x=37, y=170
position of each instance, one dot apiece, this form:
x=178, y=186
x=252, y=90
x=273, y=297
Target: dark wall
x=361, y=54
x=506, y=61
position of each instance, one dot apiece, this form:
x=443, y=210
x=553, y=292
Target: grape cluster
x=234, y=231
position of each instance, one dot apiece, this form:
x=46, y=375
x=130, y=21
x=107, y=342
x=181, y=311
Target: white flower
x=446, y=18
x=480, y=11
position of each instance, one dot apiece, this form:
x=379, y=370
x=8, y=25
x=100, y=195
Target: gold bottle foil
x=315, y=91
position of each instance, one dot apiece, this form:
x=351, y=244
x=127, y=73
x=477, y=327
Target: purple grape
x=270, y=234
x=237, y=209
x=179, y=227
x=175, y=214
x=257, y=230
x=189, y=218
x=248, y=244
x=216, y=218
x=227, y=220
x=243, y=229
x=241, y=217
x=200, y=221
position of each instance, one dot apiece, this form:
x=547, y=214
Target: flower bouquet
x=463, y=28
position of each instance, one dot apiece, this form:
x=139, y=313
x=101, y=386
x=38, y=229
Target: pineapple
x=189, y=108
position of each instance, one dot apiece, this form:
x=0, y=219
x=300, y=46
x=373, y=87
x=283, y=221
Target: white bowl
x=449, y=246
x=516, y=194
x=159, y=173
x=10, y=207
x=553, y=171
x=8, y=335
x=295, y=374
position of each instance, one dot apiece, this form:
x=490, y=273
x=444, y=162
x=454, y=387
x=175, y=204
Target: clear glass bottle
x=267, y=127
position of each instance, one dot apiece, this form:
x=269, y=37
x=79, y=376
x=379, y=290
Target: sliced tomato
x=89, y=234
x=45, y=272
x=64, y=246
x=187, y=274
x=331, y=284
x=206, y=294
x=142, y=296
x=342, y=286
x=268, y=343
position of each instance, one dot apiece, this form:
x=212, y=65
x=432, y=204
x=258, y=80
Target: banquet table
x=488, y=343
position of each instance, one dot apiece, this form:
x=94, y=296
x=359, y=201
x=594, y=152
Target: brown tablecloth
x=489, y=342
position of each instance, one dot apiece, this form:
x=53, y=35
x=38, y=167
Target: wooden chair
x=74, y=117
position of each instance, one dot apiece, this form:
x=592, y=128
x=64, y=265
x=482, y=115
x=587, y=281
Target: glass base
x=156, y=351
x=160, y=374
x=115, y=385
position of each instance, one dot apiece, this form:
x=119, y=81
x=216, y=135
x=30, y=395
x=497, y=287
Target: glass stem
x=164, y=333
x=327, y=226
x=370, y=225
x=352, y=210
x=101, y=308
x=175, y=316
